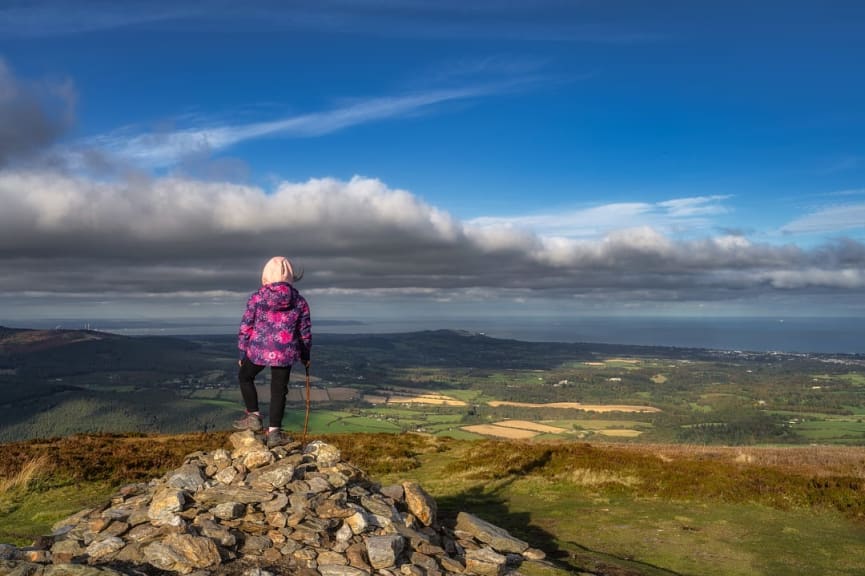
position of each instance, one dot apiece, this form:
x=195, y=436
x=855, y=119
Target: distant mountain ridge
x=75, y=350
x=25, y=340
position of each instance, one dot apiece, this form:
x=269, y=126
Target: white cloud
x=173, y=236
x=585, y=222
x=844, y=278
x=542, y=20
x=166, y=148
x=695, y=206
x=61, y=17
x=832, y=219
x=597, y=221
x=848, y=192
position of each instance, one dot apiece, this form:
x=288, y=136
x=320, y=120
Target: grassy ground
x=68, y=474
x=598, y=516
x=25, y=513
x=604, y=508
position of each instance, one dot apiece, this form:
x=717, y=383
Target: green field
x=153, y=385
x=833, y=431
x=335, y=422
x=855, y=378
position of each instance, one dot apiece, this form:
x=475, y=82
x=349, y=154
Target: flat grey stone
x=274, y=475
x=498, y=538
x=340, y=570
x=78, y=570
x=325, y=454
x=105, y=547
x=13, y=568
x=486, y=562
x=166, y=502
x=383, y=551
x=187, y=477
x=229, y=510
x=221, y=494
x=394, y=491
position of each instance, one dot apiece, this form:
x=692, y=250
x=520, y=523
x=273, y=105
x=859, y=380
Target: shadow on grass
x=489, y=504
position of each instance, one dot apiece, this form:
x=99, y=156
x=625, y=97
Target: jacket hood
x=278, y=296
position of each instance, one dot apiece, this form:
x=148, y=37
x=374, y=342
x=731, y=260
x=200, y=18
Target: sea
x=758, y=334
x=814, y=335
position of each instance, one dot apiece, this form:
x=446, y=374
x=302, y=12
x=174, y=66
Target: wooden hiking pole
x=306, y=418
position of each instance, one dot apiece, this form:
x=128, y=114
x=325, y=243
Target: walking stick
x=306, y=418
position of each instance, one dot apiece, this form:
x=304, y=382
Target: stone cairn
x=256, y=511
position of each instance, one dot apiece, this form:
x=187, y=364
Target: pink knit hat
x=278, y=269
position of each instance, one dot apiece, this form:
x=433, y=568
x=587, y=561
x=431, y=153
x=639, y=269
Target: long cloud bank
x=126, y=235
x=70, y=234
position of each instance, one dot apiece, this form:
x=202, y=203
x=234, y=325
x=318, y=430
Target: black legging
x=278, y=389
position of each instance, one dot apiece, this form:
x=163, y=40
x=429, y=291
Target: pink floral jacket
x=276, y=329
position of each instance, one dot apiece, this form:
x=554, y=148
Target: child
x=275, y=331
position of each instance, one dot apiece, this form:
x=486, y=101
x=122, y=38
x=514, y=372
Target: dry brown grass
x=387, y=453
x=432, y=399
x=813, y=461
x=388, y=397
x=577, y=406
x=501, y=431
x=115, y=457
x=29, y=470
x=619, y=432
x=533, y=426
x=593, y=478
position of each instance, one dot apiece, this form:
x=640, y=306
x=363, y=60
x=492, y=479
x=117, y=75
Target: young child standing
x=275, y=331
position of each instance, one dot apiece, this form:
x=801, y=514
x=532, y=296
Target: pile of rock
x=255, y=510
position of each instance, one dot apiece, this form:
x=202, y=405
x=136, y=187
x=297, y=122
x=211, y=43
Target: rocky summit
x=256, y=511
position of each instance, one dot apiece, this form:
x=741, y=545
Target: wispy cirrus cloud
x=43, y=18
x=848, y=192
x=696, y=206
x=539, y=21
x=166, y=148
x=675, y=215
x=838, y=218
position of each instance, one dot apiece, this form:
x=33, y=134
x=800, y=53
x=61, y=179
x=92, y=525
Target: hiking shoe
x=277, y=438
x=248, y=422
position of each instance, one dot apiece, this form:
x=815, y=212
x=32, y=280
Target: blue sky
x=426, y=158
